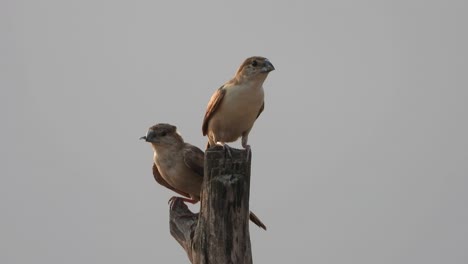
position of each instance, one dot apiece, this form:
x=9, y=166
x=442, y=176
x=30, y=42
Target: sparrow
x=234, y=107
x=179, y=166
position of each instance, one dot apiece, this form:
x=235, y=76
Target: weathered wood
x=182, y=224
x=220, y=234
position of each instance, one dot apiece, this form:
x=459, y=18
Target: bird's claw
x=226, y=148
x=172, y=201
x=175, y=199
x=249, y=152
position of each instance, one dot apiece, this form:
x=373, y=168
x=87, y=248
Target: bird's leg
x=173, y=200
x=226, y=148
x=249, y=152
x=246, y=146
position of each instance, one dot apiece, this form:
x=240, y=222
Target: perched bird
x=179, y=165
x=234, y=107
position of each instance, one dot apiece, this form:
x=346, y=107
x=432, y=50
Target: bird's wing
x=159, y=179
x=194, y=158
x=261, y=109
x=213, y=105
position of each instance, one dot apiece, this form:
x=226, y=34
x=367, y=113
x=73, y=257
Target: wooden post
x=220, y=233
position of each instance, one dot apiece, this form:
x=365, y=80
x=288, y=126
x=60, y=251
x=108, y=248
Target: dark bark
x=220, y=233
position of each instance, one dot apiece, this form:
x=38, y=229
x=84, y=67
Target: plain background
x=361, y=154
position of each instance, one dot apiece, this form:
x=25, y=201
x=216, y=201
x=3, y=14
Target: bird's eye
x=254, y=63
x=163, y=133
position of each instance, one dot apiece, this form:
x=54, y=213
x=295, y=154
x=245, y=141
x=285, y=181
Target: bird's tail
x=256, y=220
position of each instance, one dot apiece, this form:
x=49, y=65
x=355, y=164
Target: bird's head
x=255, y=66
x=163, y=135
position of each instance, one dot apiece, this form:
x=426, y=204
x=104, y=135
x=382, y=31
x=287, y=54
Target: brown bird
x=179, y=165
x=234, y=107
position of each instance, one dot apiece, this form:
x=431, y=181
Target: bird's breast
x=237, y=113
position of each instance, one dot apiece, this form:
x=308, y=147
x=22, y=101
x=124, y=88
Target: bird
x=234, y=107
x=179, y=166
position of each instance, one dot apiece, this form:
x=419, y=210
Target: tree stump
x=220, y=232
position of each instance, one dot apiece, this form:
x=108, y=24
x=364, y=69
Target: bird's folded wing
x=194, y=158
x=213, y=105
x=159, y=179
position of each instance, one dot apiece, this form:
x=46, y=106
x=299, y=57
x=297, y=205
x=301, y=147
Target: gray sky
x=361, y=154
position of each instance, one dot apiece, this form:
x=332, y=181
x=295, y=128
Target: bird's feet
x=226, y=148
x=175, y=199
x=249, y=152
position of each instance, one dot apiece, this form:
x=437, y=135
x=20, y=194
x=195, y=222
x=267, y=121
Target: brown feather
x=194, y=158
x=249, y=61
x=159, y=179
x=213, y=105
x=256, y=220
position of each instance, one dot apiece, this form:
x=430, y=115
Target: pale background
x=361, y=154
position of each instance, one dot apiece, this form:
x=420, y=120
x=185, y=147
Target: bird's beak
x=268, y=67
x=150, y=136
